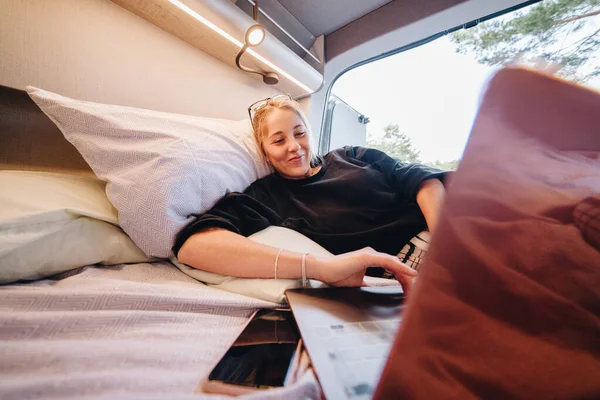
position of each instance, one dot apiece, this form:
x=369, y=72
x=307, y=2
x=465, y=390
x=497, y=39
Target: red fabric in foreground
x=587, y=218
x=508, y=302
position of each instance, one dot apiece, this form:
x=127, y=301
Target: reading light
x=235, y=42
x=255, y=36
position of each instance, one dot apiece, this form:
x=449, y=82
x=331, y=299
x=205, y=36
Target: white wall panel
x=95, y=50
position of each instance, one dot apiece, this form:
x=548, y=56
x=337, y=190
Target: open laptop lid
x=504, y=306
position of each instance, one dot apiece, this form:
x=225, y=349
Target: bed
x=137, y=330
x=147, y=330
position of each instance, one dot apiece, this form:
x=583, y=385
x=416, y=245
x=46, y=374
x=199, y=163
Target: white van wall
x=95, y=50
x=346, y=128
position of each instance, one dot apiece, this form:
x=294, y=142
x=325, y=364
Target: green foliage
x=540, y=31
x=398, y=145
x=444, y=165
x=395, y=144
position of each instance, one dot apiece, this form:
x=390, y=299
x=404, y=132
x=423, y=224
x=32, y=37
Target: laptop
x=349, y=332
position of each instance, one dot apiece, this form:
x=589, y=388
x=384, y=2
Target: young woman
x=358, y=203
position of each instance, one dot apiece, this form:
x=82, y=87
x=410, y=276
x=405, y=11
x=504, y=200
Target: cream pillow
x=264, y=289
x=161, y=168
x=51, y=223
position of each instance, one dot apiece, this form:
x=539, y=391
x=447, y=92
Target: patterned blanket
x=144, y=331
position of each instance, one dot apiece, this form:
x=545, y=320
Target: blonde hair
x=259, y=123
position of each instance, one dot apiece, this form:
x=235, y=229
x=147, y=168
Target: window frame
x=324, y=141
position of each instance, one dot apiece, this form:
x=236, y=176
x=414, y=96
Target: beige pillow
x=52, y=222
x=264, y=289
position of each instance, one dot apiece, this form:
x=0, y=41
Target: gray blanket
x=143, y=331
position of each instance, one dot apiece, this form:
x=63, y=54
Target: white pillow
x=265, y=289
x=52, y=223
x=160, y=167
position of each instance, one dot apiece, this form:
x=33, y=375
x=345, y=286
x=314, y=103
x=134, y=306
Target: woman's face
x=286, y=144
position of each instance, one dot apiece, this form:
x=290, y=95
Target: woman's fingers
x=401, y=271
x=406, y=283
x=349, y=269
x=391, y=263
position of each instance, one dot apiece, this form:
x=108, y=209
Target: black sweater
x=360, y=197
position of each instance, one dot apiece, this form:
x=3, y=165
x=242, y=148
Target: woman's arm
x=430, y=198
x=224, y=252
x=227, y=253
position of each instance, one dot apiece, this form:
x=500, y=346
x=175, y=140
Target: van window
x=419, y=105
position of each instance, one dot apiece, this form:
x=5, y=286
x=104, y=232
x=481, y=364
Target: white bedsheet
x=144, y=331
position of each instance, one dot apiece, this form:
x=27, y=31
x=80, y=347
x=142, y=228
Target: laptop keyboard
x=359, y=351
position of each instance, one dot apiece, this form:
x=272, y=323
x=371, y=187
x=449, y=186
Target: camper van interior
x=390, y=199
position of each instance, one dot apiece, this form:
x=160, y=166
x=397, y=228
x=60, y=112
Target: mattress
x=143, y=331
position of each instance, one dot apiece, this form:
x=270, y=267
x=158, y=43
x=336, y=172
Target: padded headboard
x=29, y=140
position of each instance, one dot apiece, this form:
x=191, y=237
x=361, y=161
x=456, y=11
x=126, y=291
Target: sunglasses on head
x=254, y=107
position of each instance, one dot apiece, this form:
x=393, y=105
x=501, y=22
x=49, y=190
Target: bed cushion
x=160, y=168
x=51, y=223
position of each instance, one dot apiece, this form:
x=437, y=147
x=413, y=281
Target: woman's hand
x=349, y=269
